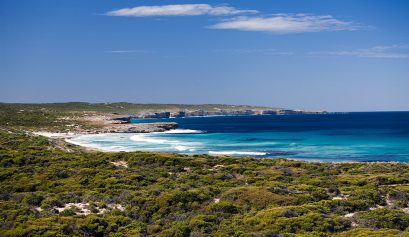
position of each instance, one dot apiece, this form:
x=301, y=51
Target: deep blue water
x=377, y=136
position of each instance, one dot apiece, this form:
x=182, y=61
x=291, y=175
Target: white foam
x=182, y=131
x=181, y=148
x=79, y=143
x=245, y=153
x=144, y=138
x=143, y=142
x=98, y=147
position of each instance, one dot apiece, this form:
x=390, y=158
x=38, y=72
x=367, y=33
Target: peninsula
x=93, y=118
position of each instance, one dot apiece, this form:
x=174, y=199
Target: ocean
x=370, y=136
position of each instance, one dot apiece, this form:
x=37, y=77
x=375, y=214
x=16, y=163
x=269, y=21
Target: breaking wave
x=183, y=131
x=238, y=153
x=148, y=139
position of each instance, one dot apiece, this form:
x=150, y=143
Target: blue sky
x=336, y=55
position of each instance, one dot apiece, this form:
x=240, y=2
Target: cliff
x=133, y=128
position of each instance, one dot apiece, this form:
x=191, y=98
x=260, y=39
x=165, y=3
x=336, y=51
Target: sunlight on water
x=323, y=137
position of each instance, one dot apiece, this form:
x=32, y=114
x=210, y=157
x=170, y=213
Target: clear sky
x=346, y=55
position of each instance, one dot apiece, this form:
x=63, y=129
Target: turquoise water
x=332, y=137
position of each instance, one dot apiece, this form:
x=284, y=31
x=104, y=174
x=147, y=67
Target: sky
x=344, y=55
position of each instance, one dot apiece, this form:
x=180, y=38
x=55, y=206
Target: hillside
x=121, y=107
x=62, y=116
x=47, y=191
x=51, y=188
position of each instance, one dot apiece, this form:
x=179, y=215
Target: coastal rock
x=113, y=128
x=122, y=124
x=107, y=119
x=136, y=128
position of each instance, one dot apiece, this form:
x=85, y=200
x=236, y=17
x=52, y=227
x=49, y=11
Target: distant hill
x=124, y=107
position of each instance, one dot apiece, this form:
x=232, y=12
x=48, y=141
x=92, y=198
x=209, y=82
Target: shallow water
x=380, y=136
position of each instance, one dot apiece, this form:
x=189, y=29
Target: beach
x=329, y=137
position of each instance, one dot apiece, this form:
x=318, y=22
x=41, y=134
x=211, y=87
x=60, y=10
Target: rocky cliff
x=134, y=128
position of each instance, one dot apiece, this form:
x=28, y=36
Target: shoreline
x=79, y=184
x=106, y=123
x=112, y=124
x=235, y=115
x=102, y=124
x=95, y=149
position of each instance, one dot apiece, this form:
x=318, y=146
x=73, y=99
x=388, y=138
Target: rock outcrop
x=109, y=123
x=135, y=128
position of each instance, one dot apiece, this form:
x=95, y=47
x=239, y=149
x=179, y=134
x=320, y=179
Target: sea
x=333, y=137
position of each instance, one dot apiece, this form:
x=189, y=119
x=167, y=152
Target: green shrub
x=383, y=218
x=255, y=198
x=224, y=207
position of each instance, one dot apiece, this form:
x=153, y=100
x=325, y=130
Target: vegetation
x=121, y=107
x=42, y=188
x=61, y=116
